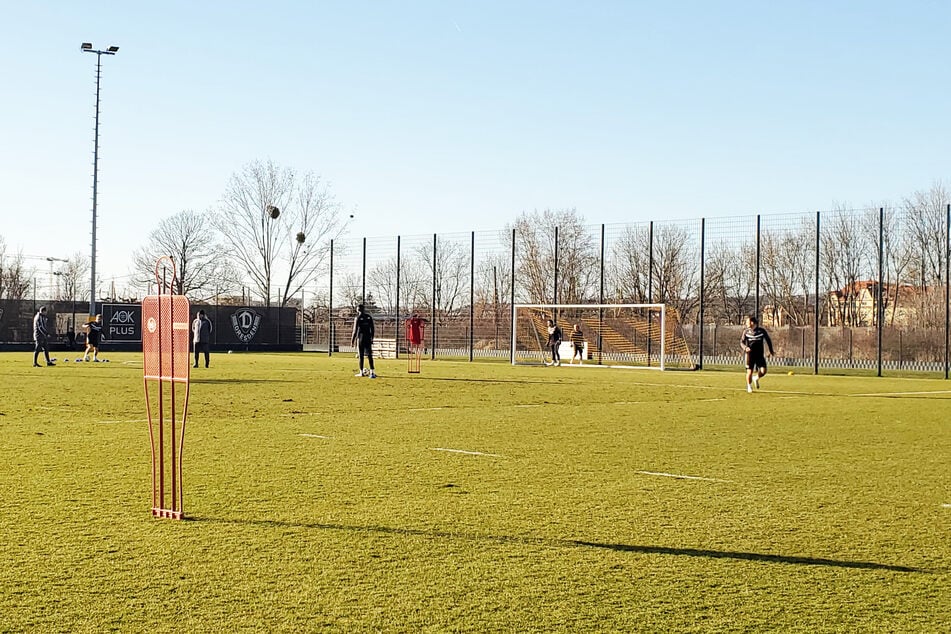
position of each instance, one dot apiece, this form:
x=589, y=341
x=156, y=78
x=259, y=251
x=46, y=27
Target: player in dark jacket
x=752, y=342
x=41, y=335
x=362, y=338
x=554, y=342
x=93, y=338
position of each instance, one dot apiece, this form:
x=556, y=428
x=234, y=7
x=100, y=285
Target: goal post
x=611, y=335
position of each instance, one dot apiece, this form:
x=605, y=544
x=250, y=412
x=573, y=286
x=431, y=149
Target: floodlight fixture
x=87, y=48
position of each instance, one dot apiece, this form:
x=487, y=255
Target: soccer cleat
x=359, y=373
x=37, y=365
x=372, y=374
x=749, y=388
x=50, y=363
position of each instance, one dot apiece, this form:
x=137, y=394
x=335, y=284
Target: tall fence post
x=512, y=304
x=554, y=315
x=432, y=351
x=756, y=306
x=601, y=298
x=330, y=305
x=880, y=309
x=650, y=286
x=815, y=335
x=363, y=291
x=703, y=229
x=398, y=320
x=947, y=287
x=472, y=297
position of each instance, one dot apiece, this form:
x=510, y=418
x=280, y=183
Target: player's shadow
x=468, y=380
x=576, y=543
x=229, y=381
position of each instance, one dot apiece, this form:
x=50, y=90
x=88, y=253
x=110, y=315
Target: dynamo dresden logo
x=245, y=323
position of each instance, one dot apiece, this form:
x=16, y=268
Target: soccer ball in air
x=273, y=212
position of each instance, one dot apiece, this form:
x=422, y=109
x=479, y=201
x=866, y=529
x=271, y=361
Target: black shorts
x=754, y=361
x=365, y=347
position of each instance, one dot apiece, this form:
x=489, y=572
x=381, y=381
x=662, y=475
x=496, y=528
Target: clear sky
x=451, y=115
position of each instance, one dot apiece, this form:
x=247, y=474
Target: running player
x=752, y=344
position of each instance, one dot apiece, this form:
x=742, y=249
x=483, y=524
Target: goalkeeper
x=752, y=342
x=554, y=342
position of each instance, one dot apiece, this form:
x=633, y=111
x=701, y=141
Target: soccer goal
x=611, y=335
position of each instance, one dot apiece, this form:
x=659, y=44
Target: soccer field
x=476, y=497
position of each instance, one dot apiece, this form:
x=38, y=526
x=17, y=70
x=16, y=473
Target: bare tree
x=673, y=280
x=73, y=278
x=493, y=284
x=845, y=254
x=730, y=281
x=15, y=279
x=189, y=238
x=925, y=217
x=787, y=268
x=450, y=271
x=535, y=256
x=278, y=227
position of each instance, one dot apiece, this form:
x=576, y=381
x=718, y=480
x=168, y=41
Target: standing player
x=362, y=337
x=41, y=337
x=93, y=338
x=577, y=345
x=554, y=342
x=752, y=343
x=201, y=336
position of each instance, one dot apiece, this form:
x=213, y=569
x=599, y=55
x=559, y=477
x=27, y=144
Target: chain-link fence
x=847, y=288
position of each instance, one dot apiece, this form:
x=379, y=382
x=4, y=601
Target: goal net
x=611, y=335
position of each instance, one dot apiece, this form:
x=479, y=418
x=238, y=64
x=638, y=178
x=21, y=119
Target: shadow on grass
x=228, y=381
x=468, y=380
x=574, y=543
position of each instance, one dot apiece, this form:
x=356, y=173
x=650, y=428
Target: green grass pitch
x=476, y=497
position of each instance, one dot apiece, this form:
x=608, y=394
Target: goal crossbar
x=554, y=309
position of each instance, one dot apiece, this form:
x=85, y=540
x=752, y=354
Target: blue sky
x=451, y=116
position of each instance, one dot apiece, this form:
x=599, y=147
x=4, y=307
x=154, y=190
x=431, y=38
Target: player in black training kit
x=363, y=331
x=752, y=343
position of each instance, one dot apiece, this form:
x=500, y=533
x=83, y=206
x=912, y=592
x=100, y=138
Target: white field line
x=682, y=477
x=946, y=506
x=424, y=409
x=468, y=453
x=530, y=405
x=317, y=436
x=792, y=392
x=902, y=393
x=137, y=420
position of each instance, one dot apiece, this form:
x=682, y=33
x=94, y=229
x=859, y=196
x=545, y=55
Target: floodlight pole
x=87, y=48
